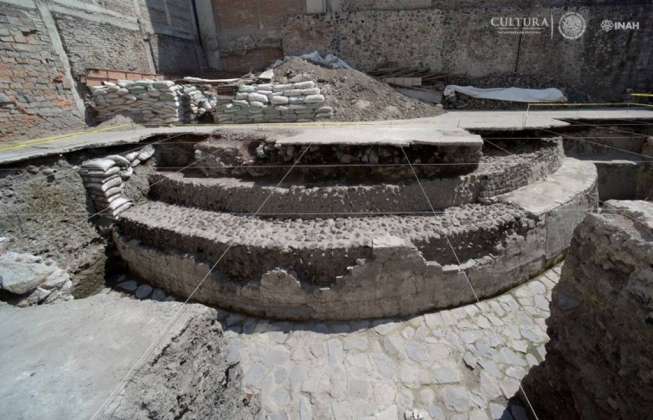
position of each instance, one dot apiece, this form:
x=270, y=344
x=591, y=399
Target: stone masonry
x=464, y=363
x=272, y=102
x=454, y=37
x=599, y=363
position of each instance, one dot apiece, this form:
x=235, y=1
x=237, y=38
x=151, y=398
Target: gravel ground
x=354, y=95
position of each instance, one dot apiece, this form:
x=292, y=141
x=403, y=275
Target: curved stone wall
x=389, y=273
x=495, y=175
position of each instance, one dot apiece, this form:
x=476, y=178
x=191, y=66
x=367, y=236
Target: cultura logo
x=572, y=25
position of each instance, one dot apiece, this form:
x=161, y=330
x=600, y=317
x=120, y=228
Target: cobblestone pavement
x=464, y=363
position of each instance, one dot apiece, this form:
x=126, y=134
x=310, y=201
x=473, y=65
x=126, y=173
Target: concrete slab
x=381, y=134
x=451, y=125
x=535, y=119
x=574, y=178
x=63, y=361
x=30, y=149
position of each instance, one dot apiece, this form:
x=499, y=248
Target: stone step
x=372, y=153
x=357, y=267
x=342, y=198
x=317, y=249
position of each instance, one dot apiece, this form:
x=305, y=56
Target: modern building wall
x=46, y=46
x=455, y=37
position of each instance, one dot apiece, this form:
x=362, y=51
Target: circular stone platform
x=326, y=267
x=496, y=174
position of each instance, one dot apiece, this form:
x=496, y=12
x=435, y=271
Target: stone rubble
x=141, y=291
x=32, y=280
x=153, y=102
x=275, y=102
x=104, y=178
x=464, y=363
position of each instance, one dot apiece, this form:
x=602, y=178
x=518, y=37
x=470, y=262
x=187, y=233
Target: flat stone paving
x=458, y=364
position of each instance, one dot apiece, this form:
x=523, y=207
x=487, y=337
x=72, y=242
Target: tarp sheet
x=329, y=61
x=511, y=94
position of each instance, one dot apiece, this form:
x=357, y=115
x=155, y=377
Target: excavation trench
x=345, y=197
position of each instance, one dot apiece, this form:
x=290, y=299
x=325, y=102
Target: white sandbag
x=99, y=174
x=113, y=191
x=120, y=161
x=131, y=156
x=105, y=186
x=98, y=164
x=146, y=153
x=119, y=202
x=127, y=173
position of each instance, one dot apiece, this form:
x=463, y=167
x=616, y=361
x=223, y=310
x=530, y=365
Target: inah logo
x=610, y=25
x=607, y=25
x=572, y=25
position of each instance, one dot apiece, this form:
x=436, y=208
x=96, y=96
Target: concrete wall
x=47, y=45
x=454, y=37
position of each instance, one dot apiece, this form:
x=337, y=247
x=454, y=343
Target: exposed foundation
x=325, y=245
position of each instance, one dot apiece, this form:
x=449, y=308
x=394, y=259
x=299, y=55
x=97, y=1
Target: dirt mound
x=353, y=95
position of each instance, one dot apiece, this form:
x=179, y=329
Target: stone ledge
x=495, y=175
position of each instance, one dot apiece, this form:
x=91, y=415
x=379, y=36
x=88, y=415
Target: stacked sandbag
x=196, y=103
x=154, y=102
x=104, y=177
x=273, y=102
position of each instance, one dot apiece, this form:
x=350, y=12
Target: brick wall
x=45, y=50
x=33, y=96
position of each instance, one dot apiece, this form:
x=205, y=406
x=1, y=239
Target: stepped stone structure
x=344, y=224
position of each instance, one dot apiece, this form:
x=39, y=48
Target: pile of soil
x=353, y=95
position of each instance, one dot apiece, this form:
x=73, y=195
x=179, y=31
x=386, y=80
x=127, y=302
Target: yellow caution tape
x=51, y=139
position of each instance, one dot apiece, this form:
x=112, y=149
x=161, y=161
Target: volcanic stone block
x=599, y=359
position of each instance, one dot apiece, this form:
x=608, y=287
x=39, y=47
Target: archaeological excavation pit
x=339, y=224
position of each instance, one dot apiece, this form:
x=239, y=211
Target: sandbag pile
x=145, y=101
x=154, y=102
x=104, y=179
x=196, y=103
x=273, y=102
